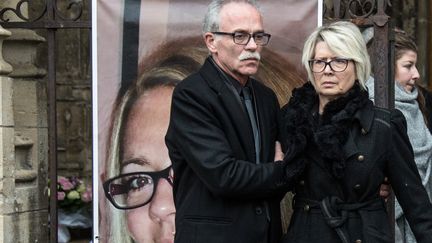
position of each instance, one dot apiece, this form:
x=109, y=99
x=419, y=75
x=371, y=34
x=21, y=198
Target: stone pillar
x=7, y=149
x=24, y=147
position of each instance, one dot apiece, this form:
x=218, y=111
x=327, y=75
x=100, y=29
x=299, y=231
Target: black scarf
x=300, y=128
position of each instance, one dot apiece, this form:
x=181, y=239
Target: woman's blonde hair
x=345, y=40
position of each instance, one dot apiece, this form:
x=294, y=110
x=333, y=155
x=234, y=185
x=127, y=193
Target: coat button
x=306, y=207
x=358, y=241
x=302, y=182
x=357, y=186
x=258, y=210
x=363, y=131
x=360, y=158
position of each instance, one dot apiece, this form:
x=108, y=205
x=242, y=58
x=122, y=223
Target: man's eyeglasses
x=243, y=38
x=336, y=65
x=133, y=190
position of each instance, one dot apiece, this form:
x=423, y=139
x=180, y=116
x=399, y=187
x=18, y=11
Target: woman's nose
x=416, y=74
x=162, y=205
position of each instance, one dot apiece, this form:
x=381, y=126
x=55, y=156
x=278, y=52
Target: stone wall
x=23, y=140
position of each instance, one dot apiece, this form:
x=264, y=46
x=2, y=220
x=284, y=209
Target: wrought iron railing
x=51, y=14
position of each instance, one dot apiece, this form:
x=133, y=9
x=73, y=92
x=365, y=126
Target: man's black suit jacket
x=220, y=193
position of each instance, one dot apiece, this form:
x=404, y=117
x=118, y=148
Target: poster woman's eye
x=139, y=182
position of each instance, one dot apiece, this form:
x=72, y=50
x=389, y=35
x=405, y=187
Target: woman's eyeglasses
x=336, y=65
x=133, y=190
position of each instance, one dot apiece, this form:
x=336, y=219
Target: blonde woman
x=348, y=146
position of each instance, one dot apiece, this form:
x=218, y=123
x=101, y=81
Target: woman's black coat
x=349, y=150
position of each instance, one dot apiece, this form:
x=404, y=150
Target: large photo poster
x=144, y=48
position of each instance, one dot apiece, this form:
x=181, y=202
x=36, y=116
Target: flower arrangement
x=73, y=193
x=74, y=200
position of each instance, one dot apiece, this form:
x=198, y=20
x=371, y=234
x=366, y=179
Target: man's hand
x=279, y=155
x=385, y=189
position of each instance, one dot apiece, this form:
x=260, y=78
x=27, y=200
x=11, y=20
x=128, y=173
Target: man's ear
x=209, y=39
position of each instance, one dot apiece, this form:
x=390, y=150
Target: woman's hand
x=279, y=155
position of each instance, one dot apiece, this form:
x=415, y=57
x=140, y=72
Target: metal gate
x=52, y=16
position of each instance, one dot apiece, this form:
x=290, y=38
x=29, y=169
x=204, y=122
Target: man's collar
x=229, y=78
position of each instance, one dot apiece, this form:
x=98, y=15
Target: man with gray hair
x=230, y=173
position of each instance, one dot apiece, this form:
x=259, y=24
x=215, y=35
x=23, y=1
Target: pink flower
x=87, y=195
x=61, y=196
x=65, y=183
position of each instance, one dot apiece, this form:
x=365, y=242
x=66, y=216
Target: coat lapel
x=365, y=119
x=233, y=106
x=350, y=148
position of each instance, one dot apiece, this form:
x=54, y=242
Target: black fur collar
x=330, y=133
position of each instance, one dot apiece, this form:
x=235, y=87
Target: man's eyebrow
x=245, y=31
x=138, y=161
